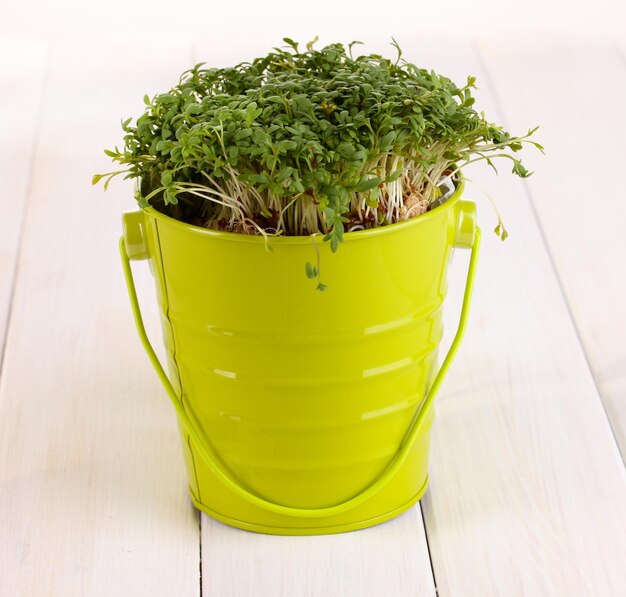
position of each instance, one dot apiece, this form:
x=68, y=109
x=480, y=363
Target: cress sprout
x=302, y=142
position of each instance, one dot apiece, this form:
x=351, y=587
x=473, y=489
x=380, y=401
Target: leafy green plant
x=302, y=142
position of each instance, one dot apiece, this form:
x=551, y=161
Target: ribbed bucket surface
x=304, y=397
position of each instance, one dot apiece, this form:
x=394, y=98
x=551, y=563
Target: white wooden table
x=528, y=488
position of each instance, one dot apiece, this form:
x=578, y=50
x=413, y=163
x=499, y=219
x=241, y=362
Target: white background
x=268, y=22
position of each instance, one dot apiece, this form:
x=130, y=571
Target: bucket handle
x=467, y=236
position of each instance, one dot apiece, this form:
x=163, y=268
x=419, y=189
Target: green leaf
x=271, y=161
x=387, y=141
x=169, y=197
x=291, y=43
x=394, y=176
x=366, y=184
x=284, y=173
x=372, y=202
x=242, y=134
x=309, y=45
x=520, y=170
x=167, y=99
x=346, y=149
x=311, y=271
x=260, y=137
x=353, y=43
x=286, y=145
x=166, y=178
x=398, y=48
x=501, y=231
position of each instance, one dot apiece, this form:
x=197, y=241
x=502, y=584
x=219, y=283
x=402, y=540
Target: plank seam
x=430, y=557
x=200, y=549
x=26, y=201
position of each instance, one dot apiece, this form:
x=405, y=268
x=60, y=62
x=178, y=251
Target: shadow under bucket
x=303, y=412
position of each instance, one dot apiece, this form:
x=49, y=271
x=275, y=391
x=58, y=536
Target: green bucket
x=303, y=412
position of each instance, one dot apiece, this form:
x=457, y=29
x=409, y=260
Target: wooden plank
x=576, y=189
x=20, y=105
x=528, y=491
x=93, y=497
x=391, y=559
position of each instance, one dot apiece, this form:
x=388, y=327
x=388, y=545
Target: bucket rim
x=306, y=239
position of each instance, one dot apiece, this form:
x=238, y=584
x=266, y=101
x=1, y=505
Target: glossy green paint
x=303, y=412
